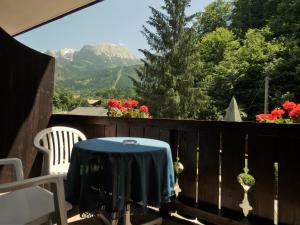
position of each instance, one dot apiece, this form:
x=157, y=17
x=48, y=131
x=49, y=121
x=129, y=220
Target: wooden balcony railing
x=210, y=150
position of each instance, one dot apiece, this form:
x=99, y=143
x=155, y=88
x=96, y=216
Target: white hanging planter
x=245, y=205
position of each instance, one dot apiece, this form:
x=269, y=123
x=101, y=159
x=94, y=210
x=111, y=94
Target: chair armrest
x=17, y=164
x=45, y=152
x=41, y=148
x=57, y=187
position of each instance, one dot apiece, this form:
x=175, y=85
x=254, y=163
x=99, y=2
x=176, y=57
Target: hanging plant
x=246, y=178
x=178, y=166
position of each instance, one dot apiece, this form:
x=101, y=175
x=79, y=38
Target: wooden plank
x=164, y=135
x=187, y=155
x=208, y=167
x=152, y=132
x=123, y=130
x=136, y=131
x=232, y=166
x=110, y=130
x=93, y=130
x=289, y=182
x=261, y=164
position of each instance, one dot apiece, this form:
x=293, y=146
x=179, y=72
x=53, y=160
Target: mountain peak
x=66, y=53
x=109, y=50
x=113, y=50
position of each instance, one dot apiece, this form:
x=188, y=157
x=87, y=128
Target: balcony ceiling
x=18, y=16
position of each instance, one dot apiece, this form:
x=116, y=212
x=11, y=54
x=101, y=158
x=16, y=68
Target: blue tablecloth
x=89, y=179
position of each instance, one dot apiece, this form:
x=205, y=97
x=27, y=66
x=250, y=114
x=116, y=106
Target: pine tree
x=169, y=75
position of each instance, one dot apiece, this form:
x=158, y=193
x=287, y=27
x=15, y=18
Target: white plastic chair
x=56, y=144
x=25, y=202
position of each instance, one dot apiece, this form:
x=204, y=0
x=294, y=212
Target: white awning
x=18, y=16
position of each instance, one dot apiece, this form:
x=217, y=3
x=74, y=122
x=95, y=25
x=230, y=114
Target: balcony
x=210, y=150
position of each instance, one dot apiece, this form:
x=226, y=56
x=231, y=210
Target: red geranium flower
x=295, y=112
x=289, y=105
x=144, y=108
x=278, y=112
x=128, y=104
x=279, y=115
x=134, y=103
x=124, y=109
x=262, y=117
x=119, y=106
x=112, y=103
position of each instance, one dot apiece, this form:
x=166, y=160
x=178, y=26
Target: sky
x=114, y=21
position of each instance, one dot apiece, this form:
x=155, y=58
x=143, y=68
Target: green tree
x=248, y=14
x=212, y=46
x=210, y=52
x=242, y=71
x=285, y=18
x=284, y=21
x=170, y=71
x=65, y=100
x=216, y=14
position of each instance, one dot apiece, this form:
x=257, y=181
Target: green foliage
x=242, y=71
x=234, y=47
x=212, y=47
x=230, y=54
x=248, y=14
x=246, y=179
x=170, y=72
x=285, y=17
x=215, y=15
x=104, y=94
x=65, y=100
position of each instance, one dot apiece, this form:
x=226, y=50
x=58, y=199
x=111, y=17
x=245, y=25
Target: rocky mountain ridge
x=92, y=67
x=109, y=50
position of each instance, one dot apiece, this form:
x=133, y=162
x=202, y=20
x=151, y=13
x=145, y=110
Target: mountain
x=93, y=67
x=65, y=53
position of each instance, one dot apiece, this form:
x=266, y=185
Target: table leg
x=127, y=215
x=114, y=219
x=114, y=215
x=127, y=220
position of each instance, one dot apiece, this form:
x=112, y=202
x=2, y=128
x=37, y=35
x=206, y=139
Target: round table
x=114, y=171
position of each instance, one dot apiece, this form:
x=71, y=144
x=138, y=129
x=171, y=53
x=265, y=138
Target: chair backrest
x=56, y=143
